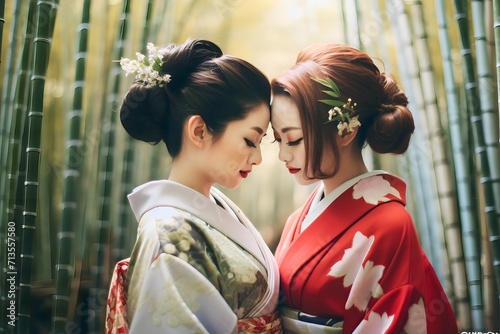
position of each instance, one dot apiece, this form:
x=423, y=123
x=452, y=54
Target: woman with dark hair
x=198, y=265
x=350, y=260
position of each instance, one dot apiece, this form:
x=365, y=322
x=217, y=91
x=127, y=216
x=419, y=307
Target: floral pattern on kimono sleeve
x=176, y=298
x=399, y=311
x=179, y=237
x=235, y=273
x=374, y=190
x=384, y=311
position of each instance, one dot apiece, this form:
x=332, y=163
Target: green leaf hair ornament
x=341, y=112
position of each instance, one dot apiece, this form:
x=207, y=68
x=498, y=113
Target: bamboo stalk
x=465, y=184
x=106, y=167
x=126, y=219
x=7, y=115
x=46, y=13
x=487, y=108
x=6, y=110
x=476, y=120
x=420, y=165
x=443, y=172
x=70, y=203
x=17, y=161
x=496, y=25
x=351, y=21
x=490, y=41
x=2, y=22
x=20, y=111
x=350, y=15
x=490, y=293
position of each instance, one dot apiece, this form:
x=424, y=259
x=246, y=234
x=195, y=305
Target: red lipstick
x=293, y=170
x=244, y=173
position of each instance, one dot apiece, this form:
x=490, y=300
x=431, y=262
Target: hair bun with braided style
x=393, y=126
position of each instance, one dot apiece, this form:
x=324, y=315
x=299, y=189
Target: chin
x=231, y=185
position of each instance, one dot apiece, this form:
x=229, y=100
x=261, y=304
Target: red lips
x=293, y=170
x=244, y=173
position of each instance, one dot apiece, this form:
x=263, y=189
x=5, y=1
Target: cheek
x=300, y=154
x=230, y=156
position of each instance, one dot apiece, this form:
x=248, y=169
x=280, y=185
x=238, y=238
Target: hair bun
x=183, y=59
x=144, y=113
x=394, y=125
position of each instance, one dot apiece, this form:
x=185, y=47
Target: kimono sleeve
x=401, y=310
x=176, y=298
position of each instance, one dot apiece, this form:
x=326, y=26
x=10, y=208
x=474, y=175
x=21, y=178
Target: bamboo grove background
x=67, y=166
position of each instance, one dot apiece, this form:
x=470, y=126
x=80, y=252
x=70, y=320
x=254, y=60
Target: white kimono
x=198, y=264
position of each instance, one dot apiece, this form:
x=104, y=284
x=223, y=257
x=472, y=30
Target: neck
x=187, y=174
x=350, y=167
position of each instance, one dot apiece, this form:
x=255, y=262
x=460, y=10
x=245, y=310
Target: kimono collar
x=172, y=194
x=321, y=200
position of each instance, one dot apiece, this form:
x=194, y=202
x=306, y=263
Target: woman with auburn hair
x=198, y=265
x=350, y=259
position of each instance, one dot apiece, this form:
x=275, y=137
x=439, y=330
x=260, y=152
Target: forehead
x=256, y=117
x=284, y=112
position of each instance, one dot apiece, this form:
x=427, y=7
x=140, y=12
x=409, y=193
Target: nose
x=284, y=154
x=256, y=156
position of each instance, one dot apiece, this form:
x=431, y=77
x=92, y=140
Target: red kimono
x=360, y=261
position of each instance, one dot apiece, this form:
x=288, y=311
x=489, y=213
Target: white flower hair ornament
x=147, y=68
x=341, y=112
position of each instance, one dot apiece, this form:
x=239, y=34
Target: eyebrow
x=259, y=130
x=290, y=128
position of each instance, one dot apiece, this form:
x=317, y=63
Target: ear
x=347, y=139
x=196, y=131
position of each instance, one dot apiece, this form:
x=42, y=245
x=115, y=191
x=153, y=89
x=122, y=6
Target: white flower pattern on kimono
x=364, y=280
x=417, y=322
x=353, y=258
x=365, y=286
x=374, y=189
x=375, y=323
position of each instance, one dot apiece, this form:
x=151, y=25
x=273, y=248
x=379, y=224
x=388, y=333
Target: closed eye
x=249, y=143
x=295, y=142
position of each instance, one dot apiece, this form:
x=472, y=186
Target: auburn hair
x=386, y=122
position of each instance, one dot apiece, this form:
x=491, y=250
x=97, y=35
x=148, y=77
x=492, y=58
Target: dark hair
x=204, y=82
x=386, y=122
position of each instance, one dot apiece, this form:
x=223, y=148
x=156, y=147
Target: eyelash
x=250, y=143
x=294, y=143
x=291, y=143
